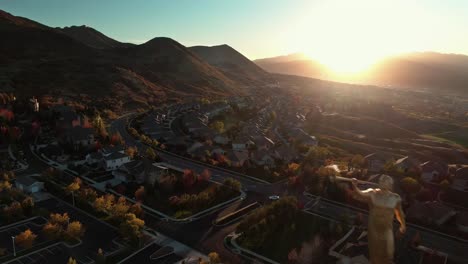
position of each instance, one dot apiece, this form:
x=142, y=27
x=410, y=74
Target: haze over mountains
x=421, y=70
x=82, y=61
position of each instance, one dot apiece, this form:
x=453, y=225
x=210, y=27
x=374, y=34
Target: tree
x=218, y=126
x=120, y=208
x=14, y=211
x=75, y=185
x=137, y=210
x=25, y=239
x=205, y=175
x=150, y=154
x=100, y=258
x=140, y=193
x=131, y=151
x=27, y=204
x=357, y=162
x=71, y=261
x=214, y=258
x=59, y=219
x=233, y=184
x=116, y=139
x=74, y=230
x=131, y=227
x=444, y=185
x=188, y=178
x=410, y=185
x=52, y=230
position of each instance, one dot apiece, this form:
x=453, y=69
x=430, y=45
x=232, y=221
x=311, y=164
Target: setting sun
x=349, y=36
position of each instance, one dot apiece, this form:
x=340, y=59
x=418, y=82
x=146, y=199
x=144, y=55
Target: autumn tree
x=205, y=175
x=25, y=239
x=27, y=204
x=131, y=151
x=60, y=219
x=52, y=230
x=188, y=178
x=218, y=126
x=214, y=258
x=75, y=185
x=74, y=230
x=71, y=261
x=137, y=210
x=131, y=228
x=410, y=185
x=233, y=184
x=151, y=154
x=445, y=185
x=140, y=193
x=357, y=162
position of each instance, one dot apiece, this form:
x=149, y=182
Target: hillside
x=294, y=64
x=431, y=70
x=92, y=37
x=420, y=70
x=232, y=63
x=45, y=61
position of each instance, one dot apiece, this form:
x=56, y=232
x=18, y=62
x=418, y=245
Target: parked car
x=274, y=197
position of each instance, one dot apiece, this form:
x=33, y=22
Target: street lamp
x=14, y=249
x=73, y=196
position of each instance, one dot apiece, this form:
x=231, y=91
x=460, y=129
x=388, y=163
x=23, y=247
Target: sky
x=346, y=33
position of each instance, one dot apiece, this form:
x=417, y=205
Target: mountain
x=294, y=64
x=428, y=70
x=39, y=60
x=232, y=63
x=419, y=70
x=92, y=37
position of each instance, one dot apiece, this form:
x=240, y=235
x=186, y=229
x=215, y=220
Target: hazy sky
x=331, y=31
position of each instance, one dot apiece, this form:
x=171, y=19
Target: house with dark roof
x=263, y=158
x=375, y=162
x=430, y=213
x=460, y=180
x=140, y=171
x=29, y=184
x=79, y=137
x=406, y=163
x=237, y=158
x=433, y=171
x=109, y=158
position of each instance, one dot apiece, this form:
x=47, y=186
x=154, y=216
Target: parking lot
x=97, y=235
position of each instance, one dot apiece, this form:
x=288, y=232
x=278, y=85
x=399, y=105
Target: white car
x=274, y=197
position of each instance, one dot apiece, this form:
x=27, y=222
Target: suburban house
x=237, y=158
x=462, y=221
x=460, y=180
x=284, y=153
x=242, y=143
x=263, y=158
x=406, y=163
x=140, y=171
x=433, y=171
x=263, y=143
x=375, y=162
x=303, y=137
x=220, y=139
x=28, y=184
x=114, y=161
x=430, y=213
x=109, y=158
x=79, y=137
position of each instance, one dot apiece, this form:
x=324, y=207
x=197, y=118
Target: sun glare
x=349, y=36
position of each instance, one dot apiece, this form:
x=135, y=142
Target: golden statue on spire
x=383, y=205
